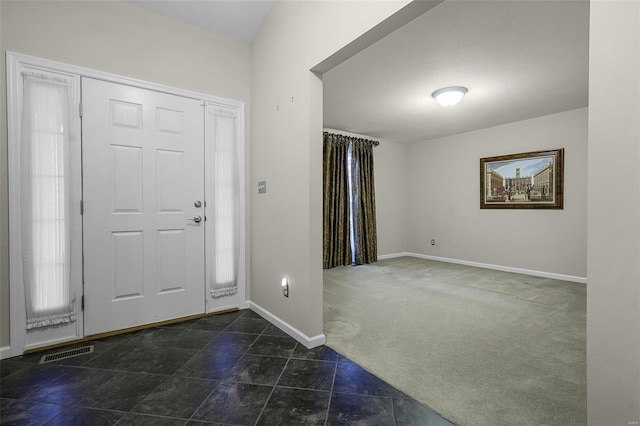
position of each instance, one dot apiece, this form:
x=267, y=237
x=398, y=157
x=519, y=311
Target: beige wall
x=613, y=297
x=286, y=149
x=391, y=196
x=444, y=195
x=118, y=38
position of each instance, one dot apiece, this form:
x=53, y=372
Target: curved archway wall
x=286, y=143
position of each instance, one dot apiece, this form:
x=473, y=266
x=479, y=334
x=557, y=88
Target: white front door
x=143, y=192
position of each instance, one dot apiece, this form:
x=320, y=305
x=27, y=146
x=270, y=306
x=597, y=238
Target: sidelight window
x=45, y=198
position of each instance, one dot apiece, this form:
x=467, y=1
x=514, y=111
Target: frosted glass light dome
x=449, y=96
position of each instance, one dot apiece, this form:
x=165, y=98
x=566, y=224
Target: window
x=45, y=199
x=226, y=203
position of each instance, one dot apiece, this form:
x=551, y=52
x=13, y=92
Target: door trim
x=15, y=63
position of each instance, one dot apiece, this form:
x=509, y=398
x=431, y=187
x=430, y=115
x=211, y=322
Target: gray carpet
x=478, y=346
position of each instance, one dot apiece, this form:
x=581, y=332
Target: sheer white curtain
x=44, y=203
x=226, y=204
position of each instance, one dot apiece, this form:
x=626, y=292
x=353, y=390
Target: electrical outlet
x=433, y=242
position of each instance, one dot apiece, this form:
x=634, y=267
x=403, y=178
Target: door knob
x=196, y=219
x=197, y=203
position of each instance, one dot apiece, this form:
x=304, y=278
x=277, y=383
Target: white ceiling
x=238, y=19
x=519, y=60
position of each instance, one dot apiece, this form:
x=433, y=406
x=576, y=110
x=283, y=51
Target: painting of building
x=525, y=180
x=543, y=183
x=494, y=186
x=517, y=185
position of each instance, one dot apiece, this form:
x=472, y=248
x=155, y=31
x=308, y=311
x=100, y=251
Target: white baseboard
x=241, y=305
x=5, y=352
x=561, y=277
x=393, y=255
x=308, y=342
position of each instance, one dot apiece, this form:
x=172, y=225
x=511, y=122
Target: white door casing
x=143, y=171
x=20, y=340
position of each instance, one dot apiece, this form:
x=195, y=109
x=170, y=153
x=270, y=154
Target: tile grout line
x=220, y=381
x=167, y=377
x=393, y=409
x=333, y=383
x=275, y=385
x=203, y=401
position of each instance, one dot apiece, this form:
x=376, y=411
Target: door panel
x=143, y=166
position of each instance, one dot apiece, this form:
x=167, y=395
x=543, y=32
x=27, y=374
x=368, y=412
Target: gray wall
x=443, y=197
x=119, y=38
x=613, y=297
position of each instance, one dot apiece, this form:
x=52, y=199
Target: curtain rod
x=371, y=141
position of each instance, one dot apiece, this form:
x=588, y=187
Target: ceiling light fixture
x=449, y=96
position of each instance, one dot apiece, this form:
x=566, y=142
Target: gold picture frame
x=529, y=180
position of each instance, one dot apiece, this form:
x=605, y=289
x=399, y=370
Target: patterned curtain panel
x=336, y=228
x=363, y=203
x=349, y=201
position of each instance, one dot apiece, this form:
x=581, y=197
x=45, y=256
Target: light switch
x=262, y=187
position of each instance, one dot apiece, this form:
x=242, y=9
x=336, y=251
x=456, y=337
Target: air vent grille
x=66, y=354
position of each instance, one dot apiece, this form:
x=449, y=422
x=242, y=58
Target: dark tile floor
x=229, y=369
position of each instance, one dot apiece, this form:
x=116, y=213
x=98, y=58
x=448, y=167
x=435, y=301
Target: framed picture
x=530, y=180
